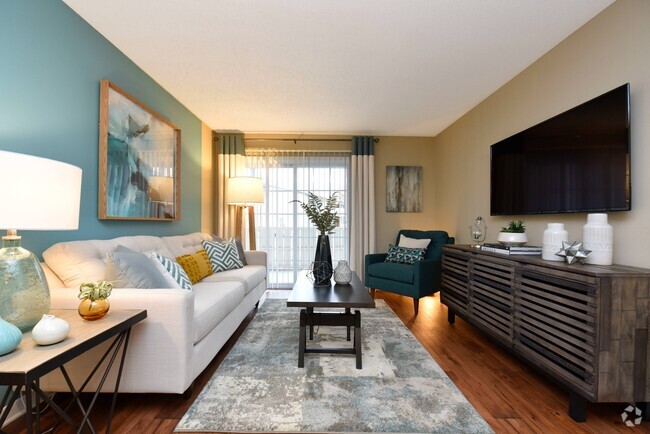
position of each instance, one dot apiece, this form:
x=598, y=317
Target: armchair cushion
x=438, y=239
x=413, y=243
x=392, y=271
x=404, y=255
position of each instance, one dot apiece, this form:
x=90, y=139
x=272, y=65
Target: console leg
x=416, y=305
x=577, y=407
x=451, y=316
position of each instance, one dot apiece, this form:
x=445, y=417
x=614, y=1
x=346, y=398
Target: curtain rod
x=306, y=151
x=256, y=139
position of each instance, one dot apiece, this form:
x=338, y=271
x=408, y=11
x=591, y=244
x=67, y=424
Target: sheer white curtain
x=282, y=228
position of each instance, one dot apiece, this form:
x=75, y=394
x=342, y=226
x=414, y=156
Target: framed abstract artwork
x=139, y=160
x=403, y=188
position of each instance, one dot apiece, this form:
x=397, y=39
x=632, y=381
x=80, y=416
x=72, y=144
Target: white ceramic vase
x=512, y=238
x=342, y=273
x=552, y=241
x=50, y=330
x=598, y=236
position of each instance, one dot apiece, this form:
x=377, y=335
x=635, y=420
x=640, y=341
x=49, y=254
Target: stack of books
x=512, y=250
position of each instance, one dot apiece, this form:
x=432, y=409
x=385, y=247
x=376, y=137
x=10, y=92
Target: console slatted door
x=491, y=302
x=455, y=285
x=555, y=325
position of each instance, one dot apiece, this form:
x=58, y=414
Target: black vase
x=323, y=262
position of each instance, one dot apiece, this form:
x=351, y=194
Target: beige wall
x=610, y=50
x=403, y=151
x=207, y=181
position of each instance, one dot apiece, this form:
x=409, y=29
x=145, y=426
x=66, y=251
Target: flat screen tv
x=577, y=161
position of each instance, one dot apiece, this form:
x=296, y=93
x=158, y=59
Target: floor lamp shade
x=36, y=194
x=243, y=191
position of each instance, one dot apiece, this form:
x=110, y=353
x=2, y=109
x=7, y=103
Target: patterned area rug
x=259, y=387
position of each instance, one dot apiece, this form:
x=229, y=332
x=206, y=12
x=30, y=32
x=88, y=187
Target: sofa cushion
x=76, y=262
x=180, y=245
x=392, y=271
x=240, y=247
x=197, y=265
x=250, y=276
x=212, y=303
x=170, y=268
x=404, y=255
x=223, y=255
x=126, y=268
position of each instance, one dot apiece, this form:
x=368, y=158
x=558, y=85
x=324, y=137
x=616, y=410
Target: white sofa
x=184, y=329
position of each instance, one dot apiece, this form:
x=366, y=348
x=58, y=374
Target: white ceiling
x=381, y=67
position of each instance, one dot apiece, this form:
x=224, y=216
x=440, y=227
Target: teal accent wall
x=51, y=63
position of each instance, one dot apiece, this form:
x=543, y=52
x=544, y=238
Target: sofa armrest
x=170, y=312
x=164, y=339
x=255, y=257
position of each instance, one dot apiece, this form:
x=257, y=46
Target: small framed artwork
x=403, y=188
x=139, y=160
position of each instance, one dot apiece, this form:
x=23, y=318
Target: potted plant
x=321, y=212
x=514, y=234
x=94, y=299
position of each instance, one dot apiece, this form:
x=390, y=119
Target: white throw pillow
x=413, y=243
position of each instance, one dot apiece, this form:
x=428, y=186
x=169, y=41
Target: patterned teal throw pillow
x=173, y=269
x=404, y=255
x=223, y=255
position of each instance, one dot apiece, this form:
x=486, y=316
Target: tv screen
x=578, y=161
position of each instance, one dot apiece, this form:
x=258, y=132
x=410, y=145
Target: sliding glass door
x=283, y=229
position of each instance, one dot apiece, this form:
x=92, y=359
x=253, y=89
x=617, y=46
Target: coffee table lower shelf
x=337, y=319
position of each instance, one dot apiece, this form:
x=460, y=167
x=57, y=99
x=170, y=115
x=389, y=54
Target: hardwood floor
x=512, y=397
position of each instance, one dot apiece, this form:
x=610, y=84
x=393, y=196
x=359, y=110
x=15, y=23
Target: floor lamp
x=242, y=191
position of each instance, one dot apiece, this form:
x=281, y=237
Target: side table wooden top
x=36, y=359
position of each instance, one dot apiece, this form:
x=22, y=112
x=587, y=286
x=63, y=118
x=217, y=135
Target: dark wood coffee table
x=308, y=296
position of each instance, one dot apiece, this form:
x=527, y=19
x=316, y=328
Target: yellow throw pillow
x=197, y=265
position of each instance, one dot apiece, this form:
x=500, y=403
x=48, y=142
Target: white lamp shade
x=243, y=190
x=161, y=189
x=37, y=193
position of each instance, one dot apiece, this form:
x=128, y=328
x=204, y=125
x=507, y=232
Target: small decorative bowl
x=512, y=239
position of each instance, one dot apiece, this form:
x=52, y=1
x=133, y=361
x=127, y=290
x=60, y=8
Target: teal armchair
x=418, y=280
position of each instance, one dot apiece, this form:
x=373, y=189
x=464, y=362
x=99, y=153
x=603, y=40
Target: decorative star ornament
x=573, y=252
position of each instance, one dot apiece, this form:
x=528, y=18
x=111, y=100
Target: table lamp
x=36, y=194
x=243, y=191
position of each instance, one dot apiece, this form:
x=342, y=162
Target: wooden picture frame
x=139, y=160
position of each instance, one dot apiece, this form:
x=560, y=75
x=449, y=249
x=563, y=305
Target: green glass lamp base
x=24, y=294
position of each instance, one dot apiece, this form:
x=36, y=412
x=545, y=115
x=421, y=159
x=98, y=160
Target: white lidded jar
x=552, y=241
x=598, y=236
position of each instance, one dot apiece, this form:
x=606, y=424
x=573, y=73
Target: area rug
x=259, y=387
